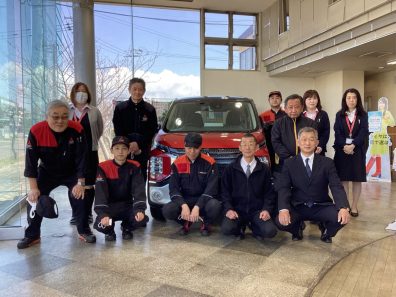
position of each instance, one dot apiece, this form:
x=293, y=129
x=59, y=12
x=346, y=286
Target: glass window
x=244, y=26
x=241, y=35
x=284, y=17
x=244, y=58
x=216, y=115
x=28, y=81
x=216, y=56
x=216, y=24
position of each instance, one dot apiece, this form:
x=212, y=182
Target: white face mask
x=81, y=97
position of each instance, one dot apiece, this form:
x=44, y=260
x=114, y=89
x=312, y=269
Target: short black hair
x=137, y=80
x=249, y=135
x=293, y=97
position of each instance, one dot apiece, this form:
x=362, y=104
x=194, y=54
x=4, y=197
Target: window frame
x=229, y=41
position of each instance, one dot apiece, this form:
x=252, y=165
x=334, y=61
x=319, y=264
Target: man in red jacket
x=55, y=155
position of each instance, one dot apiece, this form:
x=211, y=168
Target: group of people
x=350, y=134
x=63, y=150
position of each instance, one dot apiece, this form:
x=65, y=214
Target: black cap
x=275, y=93
x=47, y=207
x=193, y=139
x=120, y=140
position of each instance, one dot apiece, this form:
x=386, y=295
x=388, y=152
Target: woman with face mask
x=91, y=119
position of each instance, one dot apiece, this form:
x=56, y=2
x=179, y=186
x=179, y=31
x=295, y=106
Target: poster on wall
x=377, y=158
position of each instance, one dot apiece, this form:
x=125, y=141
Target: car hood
x=209, y=140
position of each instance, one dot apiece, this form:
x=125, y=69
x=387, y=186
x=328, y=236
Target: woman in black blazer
x=350, y=144
x=313, y=110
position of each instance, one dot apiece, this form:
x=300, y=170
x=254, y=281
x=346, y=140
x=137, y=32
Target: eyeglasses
x=59, y=118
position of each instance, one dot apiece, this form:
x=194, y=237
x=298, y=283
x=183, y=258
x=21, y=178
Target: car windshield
x=212, y=115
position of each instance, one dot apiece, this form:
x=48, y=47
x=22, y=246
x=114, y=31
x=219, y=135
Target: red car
x=222, y=121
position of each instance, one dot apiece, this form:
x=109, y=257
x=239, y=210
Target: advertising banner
x=377, y=158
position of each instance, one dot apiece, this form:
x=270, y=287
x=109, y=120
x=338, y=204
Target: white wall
x=252, y=84
x=331, y=87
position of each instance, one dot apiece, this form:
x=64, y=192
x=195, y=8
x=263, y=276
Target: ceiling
x=252, y=6
x=371, y=57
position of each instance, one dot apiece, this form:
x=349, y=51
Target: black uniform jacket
x=282, y=135
x=119, y=187
x=193, y=182
x=247, y=195
x=130, y=119
x=58, y=155
x=295, y=187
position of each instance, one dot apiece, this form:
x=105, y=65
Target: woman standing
x=380, y=139
x=313, y=110
x=91, y=119
x=351, y=132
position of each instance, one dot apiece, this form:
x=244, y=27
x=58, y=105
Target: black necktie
x=248, y=171
x=309, y=171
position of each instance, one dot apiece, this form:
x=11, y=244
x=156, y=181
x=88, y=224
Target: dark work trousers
x=92, y=167
x=46, y=184
x=326, y=214
x=126, y=215
x=209, y=213
x=265, y=229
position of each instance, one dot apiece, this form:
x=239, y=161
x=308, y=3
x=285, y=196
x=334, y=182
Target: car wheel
x=156, y=213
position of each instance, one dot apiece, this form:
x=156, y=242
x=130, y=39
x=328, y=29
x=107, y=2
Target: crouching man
x=120, y=193
x=193, y=187
x=55, y=156
x=303, y=191
x=247, y=194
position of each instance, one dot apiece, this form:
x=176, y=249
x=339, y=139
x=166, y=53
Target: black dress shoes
x=323, y=234
x=326, y=238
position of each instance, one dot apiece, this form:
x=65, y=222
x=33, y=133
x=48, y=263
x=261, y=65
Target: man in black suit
x=303, y=191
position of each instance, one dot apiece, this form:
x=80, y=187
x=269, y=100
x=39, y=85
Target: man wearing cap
x=193, y=188
x=55, y=156
x=120, y=193
x=269, y=116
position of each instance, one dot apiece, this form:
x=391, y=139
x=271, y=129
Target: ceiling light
x=393, y=62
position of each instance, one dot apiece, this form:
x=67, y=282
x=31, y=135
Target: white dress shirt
x=244, y=165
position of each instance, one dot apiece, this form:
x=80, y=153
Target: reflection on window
x=211, y=115
x=224, y=49
x=244, y=26
x=28, y=52
x=244, y=58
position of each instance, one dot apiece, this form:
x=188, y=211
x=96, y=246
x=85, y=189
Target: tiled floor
x=158, y=262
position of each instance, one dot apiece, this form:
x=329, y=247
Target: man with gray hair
x=55, y=155
x=303, y=191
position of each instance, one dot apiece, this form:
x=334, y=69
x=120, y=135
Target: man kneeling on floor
x=120, y=193
x=193, y=187
x=247, y=194
x=55, y=156
x=303, y=191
